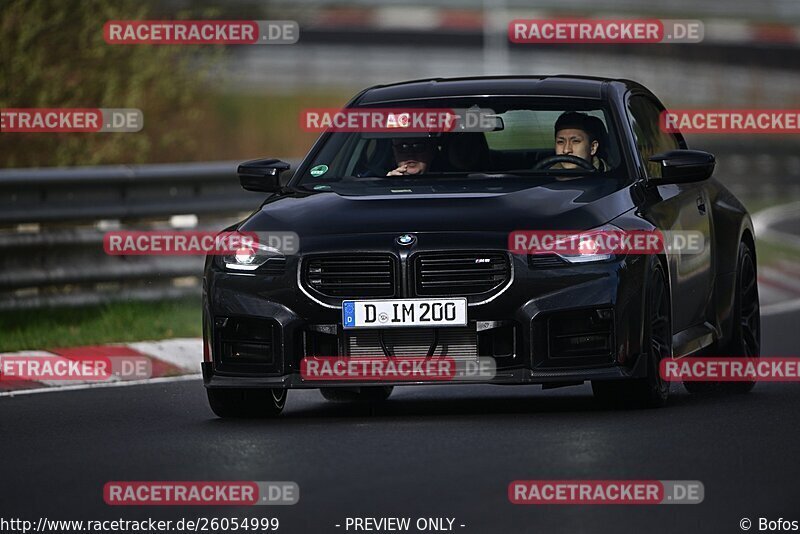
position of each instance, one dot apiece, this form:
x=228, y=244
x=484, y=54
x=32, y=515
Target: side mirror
x=263, y=175
x=683, y=166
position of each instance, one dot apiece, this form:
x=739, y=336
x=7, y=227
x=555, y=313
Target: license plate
x=405, y=312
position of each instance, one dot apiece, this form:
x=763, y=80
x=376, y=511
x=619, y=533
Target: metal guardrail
x=86, y=194
x=52, y=221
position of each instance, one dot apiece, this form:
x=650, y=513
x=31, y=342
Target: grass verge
x=117, y=322
x=771, y=253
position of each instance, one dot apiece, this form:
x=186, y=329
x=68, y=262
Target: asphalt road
x=429, y=452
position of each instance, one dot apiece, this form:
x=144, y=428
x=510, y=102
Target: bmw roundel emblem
x=405, y=239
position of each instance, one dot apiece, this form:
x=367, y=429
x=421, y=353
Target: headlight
x=250, y=257
x=587, y=249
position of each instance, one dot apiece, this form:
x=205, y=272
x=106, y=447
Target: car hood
x=557, y=206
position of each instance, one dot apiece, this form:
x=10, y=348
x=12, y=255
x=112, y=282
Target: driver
x=413, y=156
x=579, y=134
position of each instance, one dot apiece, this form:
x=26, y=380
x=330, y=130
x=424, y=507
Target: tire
x=703, y=388
x=362, y=394
x=650, y=391
x=745, y=339
x=246, y=403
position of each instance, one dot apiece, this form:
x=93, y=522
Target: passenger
x=413, y=156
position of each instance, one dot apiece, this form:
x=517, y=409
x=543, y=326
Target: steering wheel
x=549, y=161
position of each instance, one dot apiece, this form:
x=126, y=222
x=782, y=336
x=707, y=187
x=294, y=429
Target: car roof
x=569, y=86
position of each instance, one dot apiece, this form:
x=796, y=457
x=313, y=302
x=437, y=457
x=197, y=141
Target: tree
x=54, y=56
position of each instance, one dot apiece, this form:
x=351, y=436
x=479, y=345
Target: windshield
x=529, y=141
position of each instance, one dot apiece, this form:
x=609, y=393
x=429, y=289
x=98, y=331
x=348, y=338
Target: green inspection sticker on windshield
x=319, y=170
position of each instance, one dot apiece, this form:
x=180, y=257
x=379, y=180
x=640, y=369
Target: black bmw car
x=420, y=223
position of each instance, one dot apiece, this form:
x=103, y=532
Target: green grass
x=771, y=252
x=246, y=126
x=754, y=204
x=109, y=323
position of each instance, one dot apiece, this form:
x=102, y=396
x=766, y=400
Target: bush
x=54, y=55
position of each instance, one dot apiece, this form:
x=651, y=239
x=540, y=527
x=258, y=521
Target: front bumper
x=502, y=378
x=544, y=311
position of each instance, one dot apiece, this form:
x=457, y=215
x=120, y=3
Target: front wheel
x=246, y=402
x=652, y=390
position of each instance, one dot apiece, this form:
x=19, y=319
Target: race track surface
x=442, y=451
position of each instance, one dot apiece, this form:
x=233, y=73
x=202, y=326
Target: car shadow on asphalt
x=450, y=405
